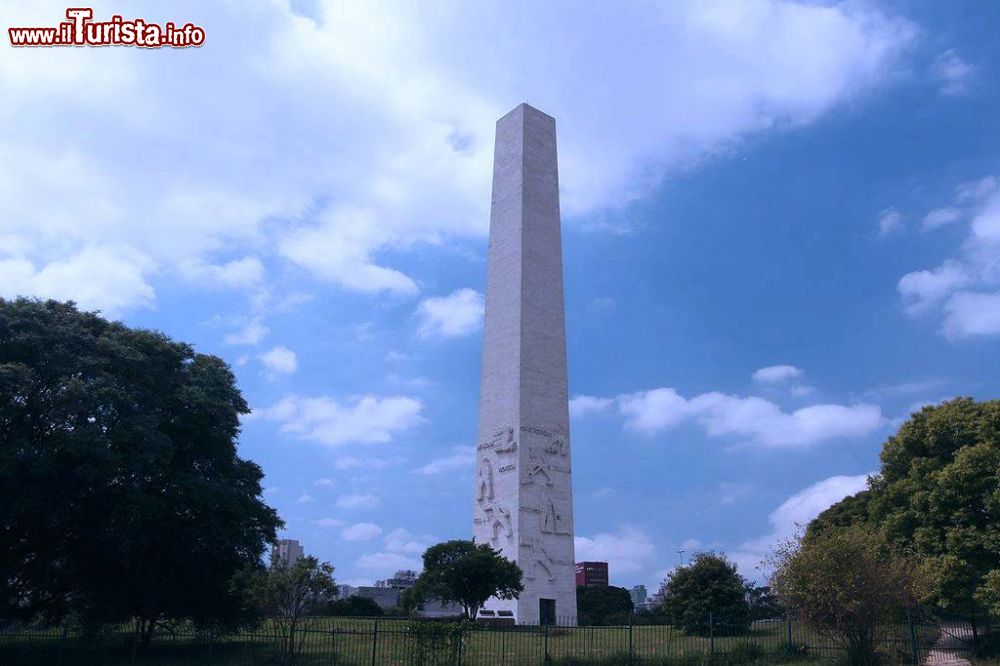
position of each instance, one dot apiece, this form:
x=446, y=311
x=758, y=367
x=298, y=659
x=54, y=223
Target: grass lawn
x=349, y=641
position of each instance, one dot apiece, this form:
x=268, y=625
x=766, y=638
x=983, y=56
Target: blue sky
x=781, y=234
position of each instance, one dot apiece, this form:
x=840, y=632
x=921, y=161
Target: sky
x=781, y=229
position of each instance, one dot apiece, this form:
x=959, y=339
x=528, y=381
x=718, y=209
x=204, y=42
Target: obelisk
x=524, y=494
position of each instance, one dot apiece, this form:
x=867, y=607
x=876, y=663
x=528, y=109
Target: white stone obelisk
x=524, y=493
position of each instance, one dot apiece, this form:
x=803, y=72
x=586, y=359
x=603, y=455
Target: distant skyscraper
x=592, y=574
x=287, y=551
x=638, y=594
x=523, y=498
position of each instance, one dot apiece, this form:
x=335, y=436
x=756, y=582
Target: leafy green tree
x=938, y=499
x=353, y=606
x=602, y=604
x=288, y=594
x=846, y=584
x=710, y=584
x=465, y=573
x=124, y=496
x=763, y=602
x=989, y=593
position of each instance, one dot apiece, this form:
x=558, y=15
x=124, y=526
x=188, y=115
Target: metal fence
x=384, y=641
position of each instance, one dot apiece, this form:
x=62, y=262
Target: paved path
x=951, y=648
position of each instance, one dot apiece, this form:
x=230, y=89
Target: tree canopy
x=602, y=604
x=287, y=593
x=709, y=584
x=846, y=583
x=465, y=573
x=124, y=496
x=937, y=499
x=353, y=606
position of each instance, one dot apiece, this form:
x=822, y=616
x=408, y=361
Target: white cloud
x=461, y=457
x=797, y=511
x=358, y=501
x=922, y=290
x=364, y=134
x=457, y=314
x=279, y=360
x=653, y=411
x=954, y=74
x=691, y=545
x=367, y=419
x=323, y=482
x=889, y=222
x=244, y=273
x=626, y=551
x=969, y=314
x=400, y=540
x=387, y=563
x=304, y=498
x=329, y=522
x=361, y=532
x=251, y=334
x=96, y=277
x=964, y=289
x=941, y=217
x=976, y=191
x=581, y=405
x=775, y=374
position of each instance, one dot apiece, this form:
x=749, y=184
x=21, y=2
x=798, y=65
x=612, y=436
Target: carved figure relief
x=502, y=524
x=551, y=520
x=485, y=481
x=539, y=559
x=538, y=464
x=557, y=444
x=505, y=440
x=502, y=441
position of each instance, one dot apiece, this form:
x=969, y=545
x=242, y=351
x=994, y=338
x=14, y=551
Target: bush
x=707, y=596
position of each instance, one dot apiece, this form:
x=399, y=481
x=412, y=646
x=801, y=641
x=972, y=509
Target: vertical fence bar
x=711, y=635
x=788, y=631
x=374, y=640
x=62, y=643
x=545, y=644
x=630, y=653
x=913, y=640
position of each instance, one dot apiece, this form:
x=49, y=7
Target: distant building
x=385, y=597
x=638, y=594
x=592, y=574
x=288, y=551
x=402, y=580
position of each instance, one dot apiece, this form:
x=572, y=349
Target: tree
x=353, y=606
x=288, y=593
x=763, y=603
x=845, y=584
x=709, y=584
x=124, y=497
x=937, y=499
x=465, y=573
x=602, y=604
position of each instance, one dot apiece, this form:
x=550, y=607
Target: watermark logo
x=82, y=30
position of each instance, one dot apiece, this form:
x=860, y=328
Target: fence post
x=630, y=653
x=374, y=641
x=711, y=635
x=461, y=639
x=546, y=642
x=788, y=631
x=62, y=643
x=913, y=639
